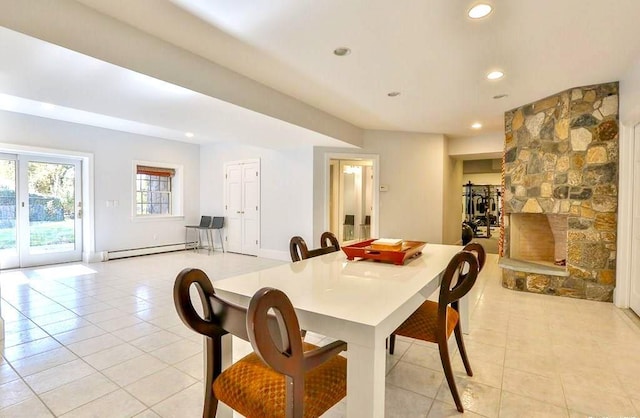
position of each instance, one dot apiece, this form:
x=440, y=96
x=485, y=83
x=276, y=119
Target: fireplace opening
x=538, y=238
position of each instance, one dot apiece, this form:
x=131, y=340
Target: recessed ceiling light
x=393, y=94
x=476, y=125
x=342, y=51
x=500, y=96
x=494, y=75
x=189, y=134
x=479, y=11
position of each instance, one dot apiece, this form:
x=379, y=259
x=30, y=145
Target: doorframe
x=88, y=207
x=375, y=222
x=626, y=143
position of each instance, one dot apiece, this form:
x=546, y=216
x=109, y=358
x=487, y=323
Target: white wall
x=451, y=224
x=477, y=147
x=481, y=178
x=114, y=153
x=630, y=94
x=286, y=191
x=411, y=165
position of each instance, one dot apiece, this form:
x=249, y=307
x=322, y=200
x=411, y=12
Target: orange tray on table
x=364, y=250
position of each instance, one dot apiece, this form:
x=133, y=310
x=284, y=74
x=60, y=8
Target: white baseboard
x=132, y=252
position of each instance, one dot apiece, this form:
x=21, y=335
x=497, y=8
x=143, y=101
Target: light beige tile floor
x=104, y=340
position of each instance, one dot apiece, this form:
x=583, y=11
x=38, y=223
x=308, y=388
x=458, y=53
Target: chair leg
x=212, y=370
x=209, y=241
x=463, y=351
x=392, y=343
x=448, y=371
x=221, y=243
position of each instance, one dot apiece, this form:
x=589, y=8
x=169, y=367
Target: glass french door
x=40, y=211
x=8, y=212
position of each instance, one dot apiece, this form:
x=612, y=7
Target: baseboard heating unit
x=134, y=252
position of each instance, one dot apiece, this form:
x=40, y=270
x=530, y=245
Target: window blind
x=155, y=171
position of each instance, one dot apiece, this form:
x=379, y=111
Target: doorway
x=352, y=203
x=40, y=210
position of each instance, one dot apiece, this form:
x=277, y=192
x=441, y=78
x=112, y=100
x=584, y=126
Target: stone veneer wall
x=561, y=156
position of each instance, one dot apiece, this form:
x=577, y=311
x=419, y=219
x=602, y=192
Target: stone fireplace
x=560, y=197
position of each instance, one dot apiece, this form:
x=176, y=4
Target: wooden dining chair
x=283, y=377
x=434, y=322
x=299, y=250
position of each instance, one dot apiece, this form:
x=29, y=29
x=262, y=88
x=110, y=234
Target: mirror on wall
x=351, y=199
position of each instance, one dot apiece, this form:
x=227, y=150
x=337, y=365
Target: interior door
x=242, y=207
x=49, y=210
x=634, y=300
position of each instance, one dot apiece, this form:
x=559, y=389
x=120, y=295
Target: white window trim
x=177, y=195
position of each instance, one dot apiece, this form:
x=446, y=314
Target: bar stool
x=205, y=223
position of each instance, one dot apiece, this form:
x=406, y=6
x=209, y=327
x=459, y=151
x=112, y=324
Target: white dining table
x=360, y=302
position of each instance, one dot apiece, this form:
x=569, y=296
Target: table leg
x=366, y=369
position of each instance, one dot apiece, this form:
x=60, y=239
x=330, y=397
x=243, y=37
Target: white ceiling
x=429, y=50
x=49, y=81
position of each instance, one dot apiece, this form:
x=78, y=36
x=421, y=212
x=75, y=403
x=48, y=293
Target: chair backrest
x=220, y=316
x=328, y=239
x=217, y=222
x=367, y=220
x=349, y=219
x=458, y=279
x=205, y=221
x=299, y=250
x=478, y=250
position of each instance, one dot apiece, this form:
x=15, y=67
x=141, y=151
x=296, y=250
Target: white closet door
x=242, y=206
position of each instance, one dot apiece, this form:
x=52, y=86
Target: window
x=154, y=190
